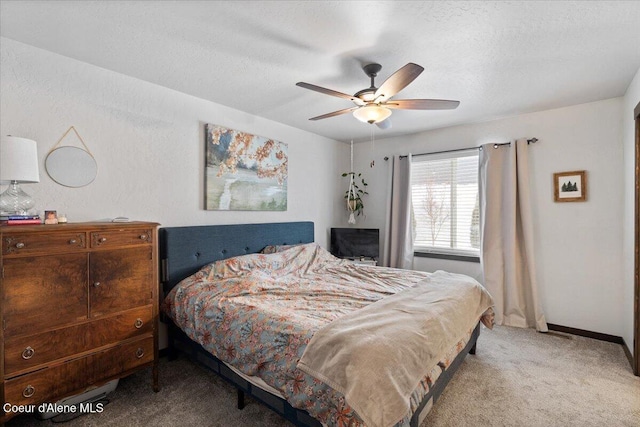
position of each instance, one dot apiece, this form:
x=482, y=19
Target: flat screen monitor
x=355, y=243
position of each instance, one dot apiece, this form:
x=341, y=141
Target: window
x=444, y=190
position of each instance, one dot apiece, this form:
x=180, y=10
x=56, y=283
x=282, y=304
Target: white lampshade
x=18, y=160
x=371, y=113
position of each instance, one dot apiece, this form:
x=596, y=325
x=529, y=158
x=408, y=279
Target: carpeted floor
x=517, y=378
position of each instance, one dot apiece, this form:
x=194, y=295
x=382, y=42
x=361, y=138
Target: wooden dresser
x=79, y=308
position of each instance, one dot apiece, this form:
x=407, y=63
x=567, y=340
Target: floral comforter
x=258, y=312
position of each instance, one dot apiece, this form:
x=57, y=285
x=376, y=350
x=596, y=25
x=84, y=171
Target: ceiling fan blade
x=330, y=92
x=335, y=113
x=398, y=81
x=385, y=124
x=422, y=104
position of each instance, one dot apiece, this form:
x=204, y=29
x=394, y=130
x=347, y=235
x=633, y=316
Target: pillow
x=272, y=249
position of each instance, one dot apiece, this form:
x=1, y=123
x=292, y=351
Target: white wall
x=578, y=245
x=149, y=144
x=631, y=99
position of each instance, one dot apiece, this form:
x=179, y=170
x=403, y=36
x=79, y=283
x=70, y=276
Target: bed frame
x=184, y=250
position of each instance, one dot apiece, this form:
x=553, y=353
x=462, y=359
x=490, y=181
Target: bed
x=192, y=256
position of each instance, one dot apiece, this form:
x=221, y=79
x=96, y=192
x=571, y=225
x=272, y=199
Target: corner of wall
x=630, y=101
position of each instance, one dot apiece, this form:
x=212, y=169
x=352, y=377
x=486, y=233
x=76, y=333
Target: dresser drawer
x=42, y=243
x=122, y=237
x=25, y=352
x=75, y=376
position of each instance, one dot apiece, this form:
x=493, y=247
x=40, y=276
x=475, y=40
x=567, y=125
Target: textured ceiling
x=497, y=58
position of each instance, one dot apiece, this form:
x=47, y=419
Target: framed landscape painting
x=570, y=186
x=244, y=172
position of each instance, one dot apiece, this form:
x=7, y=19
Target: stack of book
x=20, y=219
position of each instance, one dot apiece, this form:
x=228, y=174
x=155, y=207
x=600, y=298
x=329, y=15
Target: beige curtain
x=399, y=231
x=507, y=235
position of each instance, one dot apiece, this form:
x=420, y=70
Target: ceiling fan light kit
x=373, y=104
x=371, y=113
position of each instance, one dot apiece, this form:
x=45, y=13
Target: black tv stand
x=363, y=260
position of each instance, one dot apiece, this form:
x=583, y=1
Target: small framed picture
x=570, y=186
x=50, y=217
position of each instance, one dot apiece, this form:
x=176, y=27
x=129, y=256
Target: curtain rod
x=529, y=141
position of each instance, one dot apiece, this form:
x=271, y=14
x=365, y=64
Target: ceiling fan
x=374, y=105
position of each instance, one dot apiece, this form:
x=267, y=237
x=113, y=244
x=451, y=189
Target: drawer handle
x=139, y=352
x=28, y=353
x=73, y=241
x=96, y=285
x=138, y=323
x=28, y=391
x=143, y=237
x=102, y=240
x=20, y=245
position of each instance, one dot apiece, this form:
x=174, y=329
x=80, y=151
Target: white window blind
x=444, y=190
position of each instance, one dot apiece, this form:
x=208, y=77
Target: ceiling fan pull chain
x=373, y=147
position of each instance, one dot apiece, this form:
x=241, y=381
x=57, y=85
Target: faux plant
x=357, y=189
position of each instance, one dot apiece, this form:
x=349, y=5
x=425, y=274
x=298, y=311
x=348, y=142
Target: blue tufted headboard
x=184, y=250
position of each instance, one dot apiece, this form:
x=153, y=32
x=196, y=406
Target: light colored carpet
x=518, y=378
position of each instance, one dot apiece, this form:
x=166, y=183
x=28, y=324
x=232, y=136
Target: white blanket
x=377, y=355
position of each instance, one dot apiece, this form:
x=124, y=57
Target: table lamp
x=18, y=165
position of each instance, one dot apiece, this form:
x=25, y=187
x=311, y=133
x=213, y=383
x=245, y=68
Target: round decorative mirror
x=71, y=166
